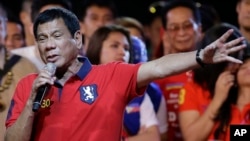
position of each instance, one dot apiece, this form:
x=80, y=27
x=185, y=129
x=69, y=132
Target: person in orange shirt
x=207, y=100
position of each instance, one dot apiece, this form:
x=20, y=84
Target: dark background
x=138, y=8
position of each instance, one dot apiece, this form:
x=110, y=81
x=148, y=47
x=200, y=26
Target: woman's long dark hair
x=207, y=76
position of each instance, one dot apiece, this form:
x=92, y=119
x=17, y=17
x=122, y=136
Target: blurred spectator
x=182, y=25
x=243, y=11
x=139, y=55
x=15, y=37
x=12, y=69
x=134, y=27
x=153, y=28
x=112, y=43
x=209, y=16
x=208, y=101
x=25, y=17
x=39, y=6
x=94, y=14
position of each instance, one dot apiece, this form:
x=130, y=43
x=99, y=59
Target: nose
x=181, y=31
x=50, y=44
x=122, y=51
x=8, y=43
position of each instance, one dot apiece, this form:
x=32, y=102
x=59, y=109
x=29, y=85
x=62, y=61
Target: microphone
x=51, y=68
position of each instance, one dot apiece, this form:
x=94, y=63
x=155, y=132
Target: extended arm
x=176, y=63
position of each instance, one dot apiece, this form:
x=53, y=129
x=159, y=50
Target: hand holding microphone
x=43, y=89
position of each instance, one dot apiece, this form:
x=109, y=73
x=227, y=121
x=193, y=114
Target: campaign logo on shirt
x=88, y=94
x=132, y=108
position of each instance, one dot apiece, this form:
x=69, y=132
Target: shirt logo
x=133, y=108
x=45, y=103
x=88, y=94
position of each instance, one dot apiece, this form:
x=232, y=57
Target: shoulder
x=29, y=77
x=116, y=66
x=26, y=65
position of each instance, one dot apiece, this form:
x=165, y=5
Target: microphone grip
x=39, y=97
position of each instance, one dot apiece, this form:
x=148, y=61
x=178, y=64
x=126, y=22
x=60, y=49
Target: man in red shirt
x=86, y=102
x=182, y=25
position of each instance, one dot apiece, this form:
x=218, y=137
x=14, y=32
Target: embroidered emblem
x=133, y=108
x=88, y=94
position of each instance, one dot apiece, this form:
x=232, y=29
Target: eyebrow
x=51, y=33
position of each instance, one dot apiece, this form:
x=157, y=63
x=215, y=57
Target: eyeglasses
x=174, y=28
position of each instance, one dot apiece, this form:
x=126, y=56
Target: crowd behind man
x=180, y=27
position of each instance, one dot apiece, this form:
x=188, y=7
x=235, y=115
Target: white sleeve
x=162, y=116
x=147, y=114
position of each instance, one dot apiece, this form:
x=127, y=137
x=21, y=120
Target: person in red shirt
x=182, y=31
x=87, y=102
x=206, y=101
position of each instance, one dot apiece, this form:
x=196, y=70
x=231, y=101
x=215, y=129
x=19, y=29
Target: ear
x=78, y=39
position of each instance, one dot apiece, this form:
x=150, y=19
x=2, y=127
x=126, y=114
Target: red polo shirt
x=193, y=97
x=88, y=107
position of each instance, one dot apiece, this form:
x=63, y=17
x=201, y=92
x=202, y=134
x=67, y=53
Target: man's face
x=96, y=17
x=243, y=11
x=14, y=38
x=182, y=30
x=3, y=21
x=56, y=44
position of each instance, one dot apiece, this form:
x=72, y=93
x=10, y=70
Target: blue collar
x=85, y=68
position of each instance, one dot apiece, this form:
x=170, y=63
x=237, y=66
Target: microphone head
x=51, y=68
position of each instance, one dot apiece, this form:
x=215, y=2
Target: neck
x=71, y=71
x=244, y=96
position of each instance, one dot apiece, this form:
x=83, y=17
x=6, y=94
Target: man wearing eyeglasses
x=182, y=31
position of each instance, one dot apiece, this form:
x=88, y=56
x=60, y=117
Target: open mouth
x=52, y=58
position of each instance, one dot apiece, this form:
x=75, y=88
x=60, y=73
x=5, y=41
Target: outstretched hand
x=219, y=50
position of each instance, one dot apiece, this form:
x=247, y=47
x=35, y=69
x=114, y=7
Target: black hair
x=154, y=11
x=209, y=16
x=207, y=76
x=37, y=5
x=14, y=19
x=69, y=18
x=180, y=3
x=85, y=4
